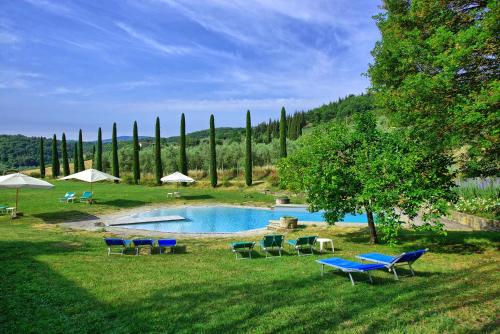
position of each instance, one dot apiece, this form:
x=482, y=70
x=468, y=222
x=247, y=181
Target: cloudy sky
x=66, y=65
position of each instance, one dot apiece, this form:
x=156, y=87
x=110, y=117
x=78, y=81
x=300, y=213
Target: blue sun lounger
x=116, y=242
x=147, y=243
x=164, y=243
x=390, y=262
x=349, y=267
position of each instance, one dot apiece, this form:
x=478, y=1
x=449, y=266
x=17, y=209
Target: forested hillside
x=18, y=151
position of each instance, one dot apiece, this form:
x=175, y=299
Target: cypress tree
x=114, y=144
x=213, y=154
x=56, y=168
x=42, y=159
x=158, y=166
x=269, y=132
x=64, y=155
x=98, y=158
x=76, y=165
x=93, y=157
x=183, y=158
x=248, y=155
x=136, y=167
x=81, y=161
x=283, y=133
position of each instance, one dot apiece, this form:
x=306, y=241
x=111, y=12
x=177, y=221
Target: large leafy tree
x=248, y=151
x=345, y=169
x=436, y=71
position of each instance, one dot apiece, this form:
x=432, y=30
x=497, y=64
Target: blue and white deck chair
x=390, y=262
x=116, y=242
x=140, y=243
x=349, y=267
x=164, y=243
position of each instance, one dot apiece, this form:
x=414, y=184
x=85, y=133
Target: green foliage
x=158, y=165
x=213, y=154
x=114, y=153
x=76, y=164
x=136, y=168
x=81, y=160
x=248, y=151
x=479, y=196
x=93, y=157
x=183, y=157
x=98, y=158
x=283, y=129
x=56, y=169
x=363, y=169
x=436, y=72
x=65, y=162
x=341, y=109
x=42, y=159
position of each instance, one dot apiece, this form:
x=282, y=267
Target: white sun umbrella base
x=91, y=176
x=177, y=177
x=18, y=181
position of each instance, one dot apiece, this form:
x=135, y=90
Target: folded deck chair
x=391, y=262
x=146, y=243
x=86, y=196
x=303, y=243
x=272, y=242
x=69, y=196
x=242, y=247
x=164, y=243
x=116, y=242
x=349, y=267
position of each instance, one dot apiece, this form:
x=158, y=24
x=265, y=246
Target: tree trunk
x=371, y=226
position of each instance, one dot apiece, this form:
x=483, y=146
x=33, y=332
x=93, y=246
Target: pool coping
x=99, y=224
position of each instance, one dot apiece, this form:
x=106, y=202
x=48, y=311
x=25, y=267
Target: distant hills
x=19, y=152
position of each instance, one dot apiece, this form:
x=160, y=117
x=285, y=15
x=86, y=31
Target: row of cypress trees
x=79, y=163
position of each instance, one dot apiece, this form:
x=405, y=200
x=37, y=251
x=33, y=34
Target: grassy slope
x=63, y=281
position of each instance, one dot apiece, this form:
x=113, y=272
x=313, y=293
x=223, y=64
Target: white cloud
x=8, y=38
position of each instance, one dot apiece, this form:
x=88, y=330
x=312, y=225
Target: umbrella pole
x=17, y=198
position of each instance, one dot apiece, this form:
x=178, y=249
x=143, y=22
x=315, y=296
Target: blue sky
x=66, y=65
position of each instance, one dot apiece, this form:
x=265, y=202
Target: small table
x=322, y=242
x=11, y=210
x=170, y=195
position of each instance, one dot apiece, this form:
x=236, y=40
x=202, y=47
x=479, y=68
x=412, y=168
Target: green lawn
x=58, y=281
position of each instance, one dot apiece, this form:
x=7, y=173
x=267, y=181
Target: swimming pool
x=224, y=219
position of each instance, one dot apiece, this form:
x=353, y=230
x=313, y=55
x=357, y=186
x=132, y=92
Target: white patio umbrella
x=18, y=181
x=177, y=178
x=91, y=176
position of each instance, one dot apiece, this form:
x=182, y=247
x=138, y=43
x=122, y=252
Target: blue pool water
x=225, y=219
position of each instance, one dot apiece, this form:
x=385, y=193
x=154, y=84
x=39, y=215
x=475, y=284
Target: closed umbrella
x=18, y=181
x=91, y=176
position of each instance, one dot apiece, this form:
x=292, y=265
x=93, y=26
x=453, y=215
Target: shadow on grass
x=454, y=242
x=36, y=298
x=64, y=216
x=196, y=197
x=123, y=203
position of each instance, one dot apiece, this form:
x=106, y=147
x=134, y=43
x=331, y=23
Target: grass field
x=60, y=281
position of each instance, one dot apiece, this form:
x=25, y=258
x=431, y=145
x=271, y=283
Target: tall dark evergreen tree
x=248, y=152
x=114, y=148
x=56, y=168
x=65, y=163
x=93, y=157
x=76, y=164
x=98, y=158
x=283, y=133
x=183, y=157
x=81, y=160
x=213, y=154
x=158, y=165
x=136, y=169
x=42, y=159
x=269, y=132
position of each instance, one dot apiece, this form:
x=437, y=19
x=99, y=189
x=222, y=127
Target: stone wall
x=475, y=222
